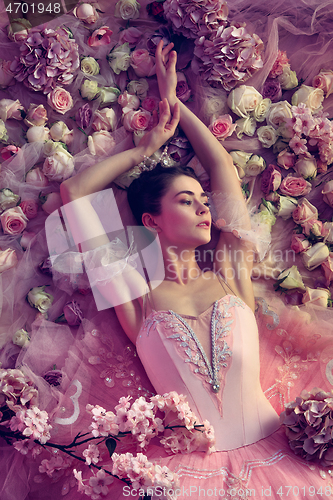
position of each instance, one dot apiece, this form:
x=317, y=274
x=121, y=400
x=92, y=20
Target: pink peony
x=327, y=268
x=8, y=259
x=295, y=186
x=9, y=151
x=136, y=120
x=36, y=115
x=6, y=75
x=222, y=127
x=270, y=179
x=13, y=221
x=10, y=109
x=101, y=143
x=86, y=12
x=102, y=36
x=36, y=177
x=142, y=63
x=60, y=100
x=29, y=208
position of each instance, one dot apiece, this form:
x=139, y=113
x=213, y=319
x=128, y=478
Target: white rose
x=38, y=134
x=127, y=9
x=108, y=94
x=90, y=66
x=119, y=58
x=138, y=87
x=40, y=299
x=51, y=147
x=306, y=167
x=316, y=296
x=245, y=126
x=286, y=206
x=89, y=89
x=267, y=135
x=291, y=279
x=255, y=165
x=59, y=166
x=261, y=110
x=278, y=113
x=21, y=338
x=60, y=132
x=315, y=255
x=8, y=199
x=101, y=143
x=3, y=131
x=240, y=158
x=310, y=96
x=288, y=79
x=243, y=100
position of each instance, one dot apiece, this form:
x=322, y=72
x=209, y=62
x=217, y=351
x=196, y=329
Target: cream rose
x=278, y=113
x=288, y=79
x=21, y=338
x=243, y=100
x=13, y=221
x=306, y=167
x=127, y=9
x=60, y=132
x=324, y=81
x=86, y=12
x=36, y=115
x=316, y=296
x=304, y=211
x=104, y=119
x=59, y=166
x=90, y=66
x=327, y=232
x=3, y=131
x=291, y=278
x=8, y=199
x=138, y=87
x=245, y=126
x=261, y=110
x=310, y=96
x=60, y=100
x=286, y=207
x=38, y=134
x=315, y=255
x=327, y=193
x=101, y=143
x=108, y=94
x=119, y=58
x=267, y=136
x=10, y=109
x=8, y=259
x=89, y=89
x=39, y=299
x=255, y=165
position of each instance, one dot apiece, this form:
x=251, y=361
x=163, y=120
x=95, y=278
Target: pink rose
x=86, y=13
x=128, y=101
x=36, y=115
x=131, y=36
x=312, y=226
x=13, y=221
x=36, y=177
x=327, y=268
x=60, y=132
x=51, y=202
x=183, y=91
x=270, y=179
x=8, y=259
x=104, y=119
x=316, y=296
x=136, y=120
x=142, y=63
x=324, y=81
x=60, y=100
x=29, y=208
x=299, y=243
x=38, y=134
x=26, y=239
x=150, y=103
x=222, y=127
x=295, y=186
x=9, y=151
x=10, y=109
x=101, y=143
x=6, y=76
x=304, y=211
x=102, y=36
x=286, y=159
x=327, y=193
x=59, y=166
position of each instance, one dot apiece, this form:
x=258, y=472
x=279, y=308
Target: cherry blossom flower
x=91, y=454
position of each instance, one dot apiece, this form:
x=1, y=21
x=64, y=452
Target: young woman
x=195, y=333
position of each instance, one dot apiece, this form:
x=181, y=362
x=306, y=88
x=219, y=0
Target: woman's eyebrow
x=203, y=195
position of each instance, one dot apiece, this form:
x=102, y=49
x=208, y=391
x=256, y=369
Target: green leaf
x=111, y=445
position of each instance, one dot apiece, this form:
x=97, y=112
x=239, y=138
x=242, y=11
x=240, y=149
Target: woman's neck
x=180, y=265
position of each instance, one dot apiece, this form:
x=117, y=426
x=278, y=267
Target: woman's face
x=185, y=219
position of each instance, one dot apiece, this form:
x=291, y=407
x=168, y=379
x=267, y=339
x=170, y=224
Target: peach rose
x=286, y=159
x=6, y=76
x=327, y=232
x=222, y=127
x=142, y=63
x=324, y=81
x=136, y=120
x=291, y=278
x=295, y=186
x=299, y=243
x=327, y=193
x=29, y=208
x=36, y=115
x=13, y=221
x=8, y=259
x=86, y=13
x=10, y=109
x=101, y=143
x=316, y=296
x=38, y=134
x=104, y=119
x=60, y=100
x=36, y=177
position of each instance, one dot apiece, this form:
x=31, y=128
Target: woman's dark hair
x=144, y=193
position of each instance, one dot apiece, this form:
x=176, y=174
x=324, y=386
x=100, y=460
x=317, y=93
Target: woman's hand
x=163, y=131
x=166, y=72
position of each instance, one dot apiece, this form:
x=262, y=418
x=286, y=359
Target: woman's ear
x=149, y=222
